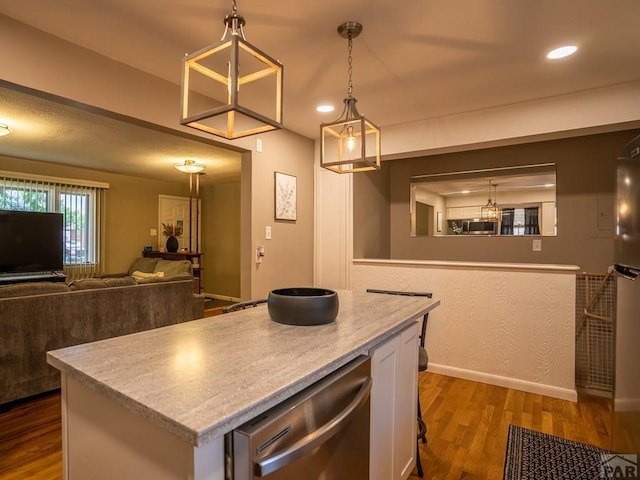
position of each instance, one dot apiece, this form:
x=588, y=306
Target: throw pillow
x=142, y=275
x=173, y=267
x=145, y=265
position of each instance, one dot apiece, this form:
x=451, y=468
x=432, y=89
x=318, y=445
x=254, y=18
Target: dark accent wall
x=585, y=168
x=372, y=214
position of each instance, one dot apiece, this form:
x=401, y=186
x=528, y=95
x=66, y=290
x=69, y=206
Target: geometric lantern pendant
x=232, y=89
x=351, y=143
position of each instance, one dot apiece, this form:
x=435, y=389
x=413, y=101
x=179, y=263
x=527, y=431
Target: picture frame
x=285, y=191
x=439, y=221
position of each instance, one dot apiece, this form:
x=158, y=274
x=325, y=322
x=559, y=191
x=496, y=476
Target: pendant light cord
x=350, y=65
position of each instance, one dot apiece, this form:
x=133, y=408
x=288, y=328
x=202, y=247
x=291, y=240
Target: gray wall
x=372, y=214
x=585, y=175
x=221, y=237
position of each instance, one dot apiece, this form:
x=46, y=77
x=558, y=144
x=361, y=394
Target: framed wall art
x=286, y=197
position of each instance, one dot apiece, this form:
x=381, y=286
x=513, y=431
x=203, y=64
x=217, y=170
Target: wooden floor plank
x=467, y=429
x=486, y=412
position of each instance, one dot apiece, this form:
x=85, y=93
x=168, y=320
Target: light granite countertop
x=203, y=378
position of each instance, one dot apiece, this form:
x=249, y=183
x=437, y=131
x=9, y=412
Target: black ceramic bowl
x=303, y=306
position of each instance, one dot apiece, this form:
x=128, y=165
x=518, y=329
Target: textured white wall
x=503, y=324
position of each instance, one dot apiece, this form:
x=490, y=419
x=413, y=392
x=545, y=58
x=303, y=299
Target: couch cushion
x=120, y=281
x=173, y=267
x=145, y=265
x=92, y=283
x=32, y=288
x=165, y=278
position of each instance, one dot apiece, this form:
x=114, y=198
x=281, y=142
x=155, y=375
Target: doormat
x=535, y=455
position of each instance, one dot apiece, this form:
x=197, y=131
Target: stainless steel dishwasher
x=321, y=433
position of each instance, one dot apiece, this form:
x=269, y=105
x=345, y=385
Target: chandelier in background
x=351, y=143
x=491, y=211
x=249, y=79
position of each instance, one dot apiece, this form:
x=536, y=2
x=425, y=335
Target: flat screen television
x=30, y=242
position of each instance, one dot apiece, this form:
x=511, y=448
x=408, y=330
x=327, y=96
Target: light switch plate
x=153, y=232
x=537, y=245
x=267, y=232
x=259, y=145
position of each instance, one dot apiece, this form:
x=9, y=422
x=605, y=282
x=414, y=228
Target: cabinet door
x=394, y=369
x=384, y=363
x=471, y=212
x=406, y=404
x=454, y=213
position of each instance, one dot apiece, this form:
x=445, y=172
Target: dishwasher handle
x=316, y=438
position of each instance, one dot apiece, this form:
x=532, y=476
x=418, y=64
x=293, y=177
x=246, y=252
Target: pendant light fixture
x=194, y=170
x=491, y=211
x=232, y=69
x=351, y=143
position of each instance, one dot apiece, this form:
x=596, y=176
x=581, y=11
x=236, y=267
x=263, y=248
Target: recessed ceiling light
x=562, y=52
x=325, y=108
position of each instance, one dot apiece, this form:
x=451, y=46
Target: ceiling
x=44, y=129
x=529, y=178
x=413, y=60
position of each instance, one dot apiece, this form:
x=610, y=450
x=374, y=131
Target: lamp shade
x=190, y=166
x=4, y=130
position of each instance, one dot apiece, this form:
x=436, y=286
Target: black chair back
x=243, y=305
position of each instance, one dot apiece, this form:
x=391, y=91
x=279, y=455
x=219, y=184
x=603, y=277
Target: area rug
x=535, y=455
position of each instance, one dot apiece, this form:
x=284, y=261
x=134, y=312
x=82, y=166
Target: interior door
x=175, y=210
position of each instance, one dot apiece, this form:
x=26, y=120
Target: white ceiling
x=414, y=60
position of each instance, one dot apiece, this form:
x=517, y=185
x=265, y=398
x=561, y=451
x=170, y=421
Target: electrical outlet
x=153, y=232
x=537, y=245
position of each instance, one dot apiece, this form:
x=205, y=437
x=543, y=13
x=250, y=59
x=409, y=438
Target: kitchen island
x=157, y=404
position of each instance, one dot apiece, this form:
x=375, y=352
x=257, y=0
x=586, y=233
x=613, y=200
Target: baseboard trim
x=507, y=382
x=221, y=297
x=626, y=405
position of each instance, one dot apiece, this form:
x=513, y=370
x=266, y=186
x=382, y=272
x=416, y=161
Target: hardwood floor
x=31, y=440
x=468, y=423
x=467, y=433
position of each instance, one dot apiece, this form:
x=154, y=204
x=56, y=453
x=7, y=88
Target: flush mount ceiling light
x=190, y=166
x=351, y=143
x=562, y=52
x=4, y=130
x=253, y=95
x=491, y=211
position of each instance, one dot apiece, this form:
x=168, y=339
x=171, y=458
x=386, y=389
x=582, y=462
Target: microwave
x=479, y=227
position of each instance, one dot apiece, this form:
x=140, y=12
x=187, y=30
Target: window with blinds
x=81, y=203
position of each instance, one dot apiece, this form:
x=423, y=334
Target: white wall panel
x=502, y=325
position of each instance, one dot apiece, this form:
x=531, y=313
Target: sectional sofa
x=37, y=317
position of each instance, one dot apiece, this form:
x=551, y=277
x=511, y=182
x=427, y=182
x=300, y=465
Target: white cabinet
x=454, y=213
x=394, y=369
x=459, y=213
x=471, y=212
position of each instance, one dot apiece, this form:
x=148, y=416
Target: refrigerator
x=626, y=397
